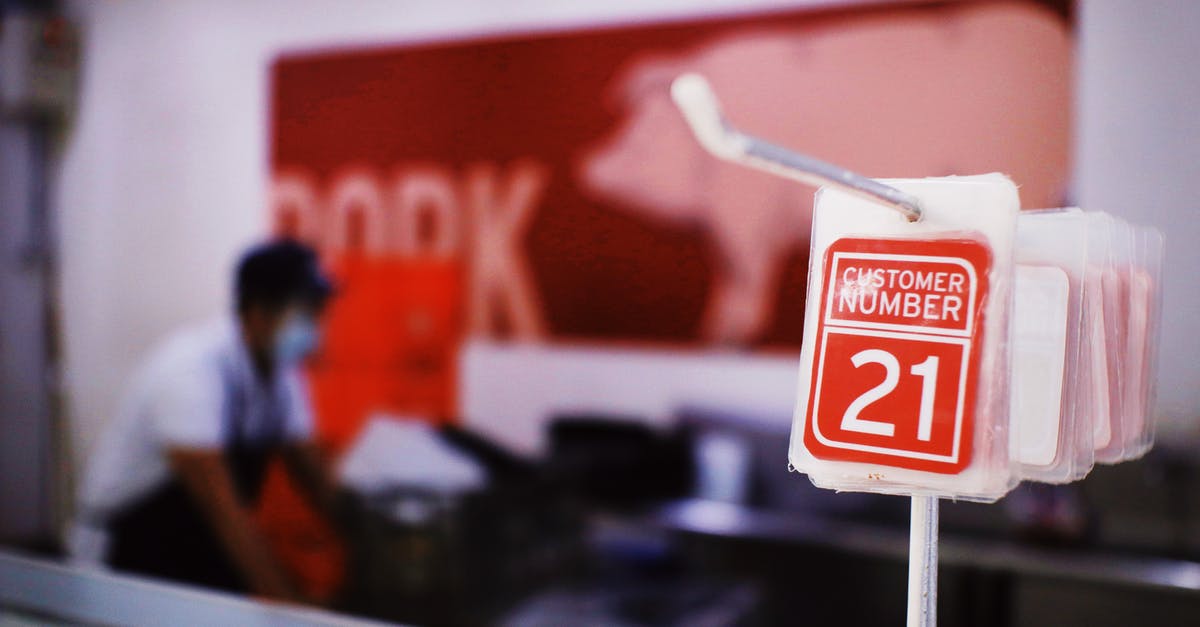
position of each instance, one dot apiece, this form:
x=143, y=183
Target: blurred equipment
x=393, y=452
x=663, y=602
x=39, y=58
x=617, y=461
x=758, y=468
x=451, y=527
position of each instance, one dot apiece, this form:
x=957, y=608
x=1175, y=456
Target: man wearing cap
x=175, y=478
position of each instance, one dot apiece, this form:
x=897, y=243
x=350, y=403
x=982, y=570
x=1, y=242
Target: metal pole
x=923, y=562
x=695, y=99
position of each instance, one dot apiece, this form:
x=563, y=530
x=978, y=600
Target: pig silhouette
x=962, y=90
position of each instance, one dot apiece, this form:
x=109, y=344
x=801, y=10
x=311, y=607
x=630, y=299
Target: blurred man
x=175, y=478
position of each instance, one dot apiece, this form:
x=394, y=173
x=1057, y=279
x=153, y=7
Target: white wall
x=163, y=176
x=1138, y=156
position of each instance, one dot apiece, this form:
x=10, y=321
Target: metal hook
x=699, y=105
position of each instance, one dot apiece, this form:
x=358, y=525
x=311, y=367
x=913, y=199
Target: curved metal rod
x=699, y=105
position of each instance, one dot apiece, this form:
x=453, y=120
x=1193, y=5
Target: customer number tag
x=897, y=356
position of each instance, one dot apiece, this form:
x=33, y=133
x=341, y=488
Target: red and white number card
x=903, y=382
x=896, y=358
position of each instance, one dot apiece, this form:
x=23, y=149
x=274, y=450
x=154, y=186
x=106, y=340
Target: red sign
x=896, y=362
x=555, y=173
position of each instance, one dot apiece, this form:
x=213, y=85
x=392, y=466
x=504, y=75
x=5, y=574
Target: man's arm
x=206, y=477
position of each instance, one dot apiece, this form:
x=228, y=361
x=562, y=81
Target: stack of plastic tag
x=953, y=345
x=1052, y=438
x=1047, y=368
x=1085, y=329
x=1122, y=307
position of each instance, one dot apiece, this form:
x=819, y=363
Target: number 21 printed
x=894, y=373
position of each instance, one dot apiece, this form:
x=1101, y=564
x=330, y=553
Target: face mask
x=297, y=338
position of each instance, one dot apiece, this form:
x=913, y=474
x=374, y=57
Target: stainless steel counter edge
x=94, y=596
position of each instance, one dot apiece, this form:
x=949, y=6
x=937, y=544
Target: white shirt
x=194, y=388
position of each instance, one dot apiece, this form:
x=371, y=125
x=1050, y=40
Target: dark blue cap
x=280, y=273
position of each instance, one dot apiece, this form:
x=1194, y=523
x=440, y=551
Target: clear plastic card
x=903, y=385
x=1050, y=426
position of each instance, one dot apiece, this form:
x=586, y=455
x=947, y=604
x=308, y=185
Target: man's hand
x=307, y=466
x=205, y=475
